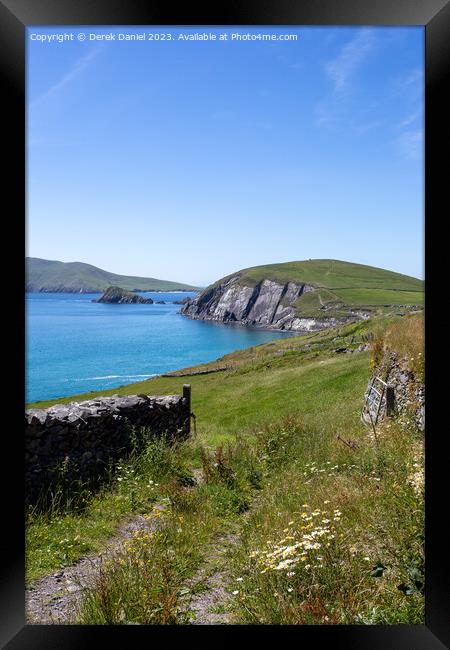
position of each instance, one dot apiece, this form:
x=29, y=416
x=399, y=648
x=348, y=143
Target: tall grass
x=146, y=581
x=337, y=537
x=334, y=537
x=71, y=521
x=406, y=339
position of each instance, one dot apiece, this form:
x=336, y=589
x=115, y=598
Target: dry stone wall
x=77, y=441
x=408, y=391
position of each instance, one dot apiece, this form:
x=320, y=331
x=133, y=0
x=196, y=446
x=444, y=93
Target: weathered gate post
x=390, y=401
x=187, y=397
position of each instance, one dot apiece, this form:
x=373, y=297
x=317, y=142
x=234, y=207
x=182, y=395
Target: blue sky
x=187, y=161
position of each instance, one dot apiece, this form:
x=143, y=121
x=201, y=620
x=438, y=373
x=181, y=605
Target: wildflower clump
x=417, y=478
x=306, y=543
x=312, y=470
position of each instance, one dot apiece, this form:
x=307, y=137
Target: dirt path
x=55, y=598
x=209, y=602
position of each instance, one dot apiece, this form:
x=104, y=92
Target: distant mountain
x=76, y=277
x=305, y=295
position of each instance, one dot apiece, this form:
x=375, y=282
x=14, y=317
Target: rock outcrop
x=181, y=302
x=268, y=304
x=118, y=296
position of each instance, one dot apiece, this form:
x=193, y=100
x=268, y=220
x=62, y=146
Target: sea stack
x=118, y=296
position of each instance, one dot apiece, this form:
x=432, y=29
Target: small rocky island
x=118, y=296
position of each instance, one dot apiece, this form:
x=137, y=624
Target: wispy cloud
x=342, y=68
x=78, y=67
x=335, y=115
x=326, y=114
x=410, y=119
x=409, y=129
x=413, y=77
x=410, y=144
x=360, y=129
x=398, y=112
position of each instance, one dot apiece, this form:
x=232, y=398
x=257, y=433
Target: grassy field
x=333, y=274
x=278, y=377
x=326, y=303
x=372, y=297
x=226, y=402
x=313, y=522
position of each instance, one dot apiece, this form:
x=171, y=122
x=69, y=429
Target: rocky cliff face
x=269, y=304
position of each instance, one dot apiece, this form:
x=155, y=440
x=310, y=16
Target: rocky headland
x=268, y=304
x=303, y=296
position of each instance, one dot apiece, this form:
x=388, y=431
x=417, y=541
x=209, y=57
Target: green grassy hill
x=333, y=274
x=339, y=285
x=77, y=277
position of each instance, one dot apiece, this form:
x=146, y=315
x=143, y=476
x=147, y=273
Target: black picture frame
x=434, y=15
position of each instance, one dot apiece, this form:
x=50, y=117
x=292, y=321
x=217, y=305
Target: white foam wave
x=115, y=377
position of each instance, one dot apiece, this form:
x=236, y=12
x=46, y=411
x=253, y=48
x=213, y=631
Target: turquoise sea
x=74, y=345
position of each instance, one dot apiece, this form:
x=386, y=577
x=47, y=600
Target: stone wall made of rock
x=408, y=390
x=76, y=442
x=409, y=393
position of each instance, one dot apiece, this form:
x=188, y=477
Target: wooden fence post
x=390, y=400
x=187, y=397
